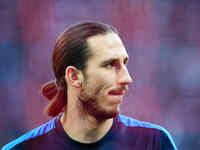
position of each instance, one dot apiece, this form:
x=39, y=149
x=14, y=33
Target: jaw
x=100, y=111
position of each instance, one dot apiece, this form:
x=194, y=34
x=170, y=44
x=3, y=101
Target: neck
x=83, y=127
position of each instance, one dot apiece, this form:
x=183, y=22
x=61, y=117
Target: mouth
x=117, y=92
x=117, y=95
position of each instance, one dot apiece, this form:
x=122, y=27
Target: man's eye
x=109, y=65
x=112, y=64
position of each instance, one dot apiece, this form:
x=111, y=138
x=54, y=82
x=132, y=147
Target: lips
x=117, y=92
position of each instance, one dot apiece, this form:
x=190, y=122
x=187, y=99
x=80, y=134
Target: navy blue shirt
x=126, y=133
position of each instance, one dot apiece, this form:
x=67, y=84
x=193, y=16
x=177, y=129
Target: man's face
x=106, y=76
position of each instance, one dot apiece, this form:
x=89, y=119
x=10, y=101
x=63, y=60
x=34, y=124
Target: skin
x=94, y=96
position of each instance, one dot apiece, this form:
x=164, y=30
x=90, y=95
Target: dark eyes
x=108, y=65
x=111, y=64
x=114, y=63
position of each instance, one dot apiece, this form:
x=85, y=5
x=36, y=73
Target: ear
x=73, y=76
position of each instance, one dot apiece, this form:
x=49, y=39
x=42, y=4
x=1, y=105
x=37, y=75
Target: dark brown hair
x=71, y=49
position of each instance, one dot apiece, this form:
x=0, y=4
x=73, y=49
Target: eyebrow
x=113, y=59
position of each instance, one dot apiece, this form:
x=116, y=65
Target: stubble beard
x=89, y=102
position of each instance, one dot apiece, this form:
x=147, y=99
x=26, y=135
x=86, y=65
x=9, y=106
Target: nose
x=124, y=76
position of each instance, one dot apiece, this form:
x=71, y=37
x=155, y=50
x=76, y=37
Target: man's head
x=106, y=78
x=71, y=49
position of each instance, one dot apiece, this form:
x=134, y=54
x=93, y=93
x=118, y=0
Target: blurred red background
x=161, y=37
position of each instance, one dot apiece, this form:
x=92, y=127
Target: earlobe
x=73, y=76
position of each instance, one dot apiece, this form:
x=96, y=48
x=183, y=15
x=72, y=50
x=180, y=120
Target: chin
x=101, y=112
x=115, y=100
x=112, y=113
x=107, y=114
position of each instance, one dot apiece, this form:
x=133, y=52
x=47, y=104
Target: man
x=89, y=62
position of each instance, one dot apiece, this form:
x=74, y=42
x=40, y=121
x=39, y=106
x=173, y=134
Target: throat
x=95, y=134
x=87, y=131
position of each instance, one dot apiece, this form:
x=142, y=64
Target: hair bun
x=49, y=90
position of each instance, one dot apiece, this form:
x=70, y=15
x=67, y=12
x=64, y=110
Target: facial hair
x=89, y=97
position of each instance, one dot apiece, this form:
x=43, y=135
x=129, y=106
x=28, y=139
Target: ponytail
x=57, y=97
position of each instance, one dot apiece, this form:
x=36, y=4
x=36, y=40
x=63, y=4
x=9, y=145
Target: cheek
x=99, y=81
x=107, y=77
x=96, y=88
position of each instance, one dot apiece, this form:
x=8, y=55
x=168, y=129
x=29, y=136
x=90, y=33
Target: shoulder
x=131, y=122
x=148, y=127
x=41, y=130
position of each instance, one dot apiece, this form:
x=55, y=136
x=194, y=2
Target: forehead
x=106, y=46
